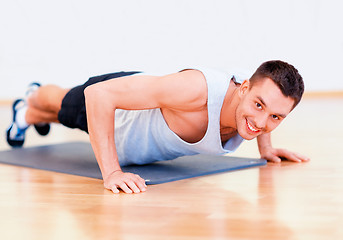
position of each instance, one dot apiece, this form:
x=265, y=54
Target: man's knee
x=48, y=98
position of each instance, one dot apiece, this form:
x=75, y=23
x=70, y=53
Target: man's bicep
x=178, y=90
x=131, y=92
x=186, y=90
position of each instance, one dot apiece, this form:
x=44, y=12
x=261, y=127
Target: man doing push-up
x=134, y=118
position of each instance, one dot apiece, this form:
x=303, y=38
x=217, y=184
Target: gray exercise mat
x=77, y=158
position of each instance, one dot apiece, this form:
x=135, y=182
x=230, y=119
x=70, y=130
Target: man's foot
x=32, y=88
x=42, y=128
x=16, y=135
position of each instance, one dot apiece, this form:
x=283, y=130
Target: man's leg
x=39, y=109
x=51, y=103
x=44, y=104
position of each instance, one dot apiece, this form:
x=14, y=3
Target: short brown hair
x=284, y=75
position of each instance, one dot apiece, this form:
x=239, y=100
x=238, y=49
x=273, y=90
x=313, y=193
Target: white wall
x=66, y=41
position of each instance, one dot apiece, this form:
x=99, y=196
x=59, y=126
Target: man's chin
x=247, y=136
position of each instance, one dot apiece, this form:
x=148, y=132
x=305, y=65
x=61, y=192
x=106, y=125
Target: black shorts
x=73, y=108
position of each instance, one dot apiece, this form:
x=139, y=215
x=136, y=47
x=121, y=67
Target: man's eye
x=275, y=117
x=259, y=106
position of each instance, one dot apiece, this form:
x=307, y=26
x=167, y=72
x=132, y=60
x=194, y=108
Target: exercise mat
x=77, y=158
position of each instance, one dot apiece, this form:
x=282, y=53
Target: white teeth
x=252, y=128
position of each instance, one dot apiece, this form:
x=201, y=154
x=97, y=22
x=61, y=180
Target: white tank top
x=143, y=136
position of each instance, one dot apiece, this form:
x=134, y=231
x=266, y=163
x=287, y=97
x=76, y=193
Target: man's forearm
x=264, y=141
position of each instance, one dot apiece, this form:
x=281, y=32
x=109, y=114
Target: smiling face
x=261, y=108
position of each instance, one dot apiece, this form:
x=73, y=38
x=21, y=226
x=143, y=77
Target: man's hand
x=128, y=182
x=275, y=154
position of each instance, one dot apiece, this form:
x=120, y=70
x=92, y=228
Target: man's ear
x=244, y=88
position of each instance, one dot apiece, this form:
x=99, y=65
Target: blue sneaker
x=44, y=128
x=16, y=135
x=31, y=88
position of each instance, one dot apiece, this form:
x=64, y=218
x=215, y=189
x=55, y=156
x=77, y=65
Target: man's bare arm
x=275, y=154
x=183, y=91
x=100, y=117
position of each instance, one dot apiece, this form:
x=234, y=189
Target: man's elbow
x=91, y=92
x=97, y=97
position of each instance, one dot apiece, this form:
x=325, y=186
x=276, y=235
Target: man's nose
x=261, y=121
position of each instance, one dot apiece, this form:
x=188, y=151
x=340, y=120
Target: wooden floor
x=278, y=201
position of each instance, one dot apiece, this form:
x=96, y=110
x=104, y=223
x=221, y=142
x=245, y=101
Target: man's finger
x=141, y=186
x=275, y=159
x=140, y=182
x=125, y=188
x=133, y=186
x=302, y=157
x=272, y=158
x=290, y=156
x=115, y=190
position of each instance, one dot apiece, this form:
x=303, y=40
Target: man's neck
x=228, y=111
